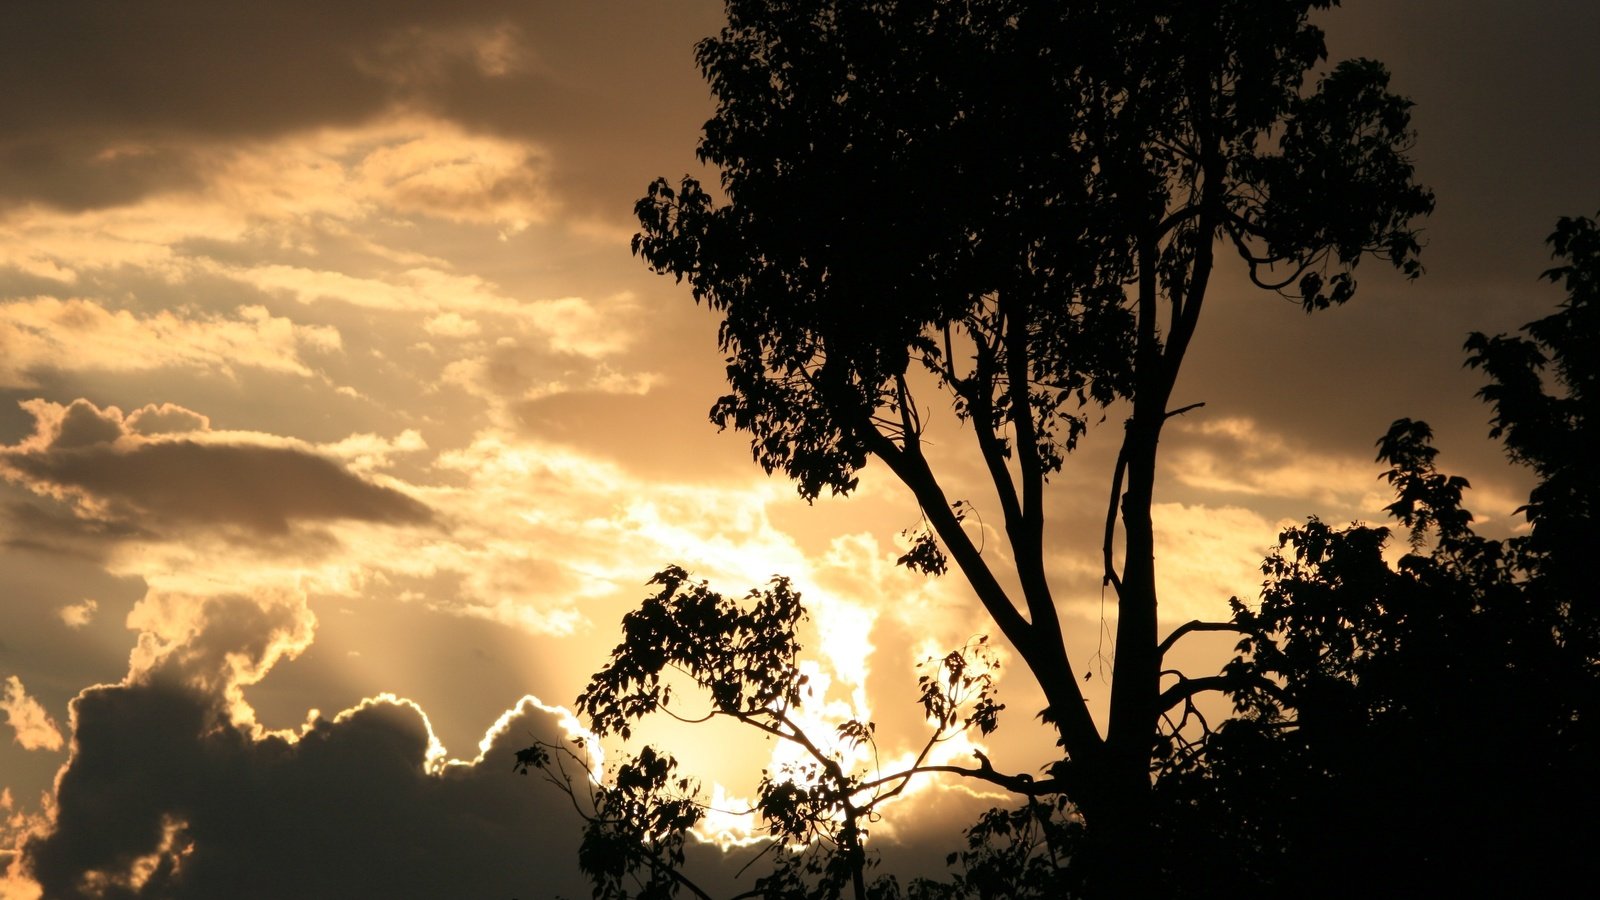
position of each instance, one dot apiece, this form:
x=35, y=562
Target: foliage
x=633, y=838
x=900, y=171
x=743, y=659
x=1020, y=204
x=1013, y=853
x=1438, y=717
x=1545, y=392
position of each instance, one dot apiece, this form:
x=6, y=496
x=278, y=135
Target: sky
x=338, y=428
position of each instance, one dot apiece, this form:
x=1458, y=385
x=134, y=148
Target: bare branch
x=1183, y=409
x=1189, y=687
x=1177, y=218
x=1191, y=627
x=1026, y=785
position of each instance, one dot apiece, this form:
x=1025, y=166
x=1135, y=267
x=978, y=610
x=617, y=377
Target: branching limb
x=910, y=422
x=1189, y=687
x=1177, y=218
x=1193, y=626
x=1024, y=784
x=990, y=444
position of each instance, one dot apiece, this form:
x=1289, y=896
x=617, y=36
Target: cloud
x=451, y=325
x=34, y=728
x=50, y=334
x=165, y=798
x=1237, y=456
x=459, y=178
x=77, y=615
x=93, y=459
x=191, y=76
x=173, y=789
x=218, y=644
x=565, y=325
x=1206, y=554
x=165, y=418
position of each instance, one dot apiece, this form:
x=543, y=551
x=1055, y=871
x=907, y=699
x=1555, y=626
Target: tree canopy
x=1023, y=204
x=1419, y=724
x=1438, y=717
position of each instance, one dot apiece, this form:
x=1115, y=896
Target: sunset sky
x=333, y=406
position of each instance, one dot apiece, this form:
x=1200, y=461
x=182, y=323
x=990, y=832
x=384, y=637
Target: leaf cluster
x=960, y=694
x=1452, y=695
x=744, y=657
x=635, y=822
x=971, y=187
x=1024, y=852
x=1545, y=393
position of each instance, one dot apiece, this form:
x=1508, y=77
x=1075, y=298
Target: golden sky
x=332, y=400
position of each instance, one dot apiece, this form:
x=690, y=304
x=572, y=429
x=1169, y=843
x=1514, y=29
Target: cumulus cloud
x=220, y=644
x=165, y=797
x=112, y=471
x=165, y=418
x=174, y=790
x=34, y=728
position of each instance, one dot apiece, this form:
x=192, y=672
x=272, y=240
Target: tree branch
x=1027, y=530
x=1183, y=409
x=1189, y=687
x=1111, y=524
x=1017, y=784
x=1079, y=733
x=1192, y=627
x=994, y=458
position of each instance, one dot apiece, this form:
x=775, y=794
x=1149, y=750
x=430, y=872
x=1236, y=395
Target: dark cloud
x=262, y=489
x=80, y=452
x=160, y=780
x=172, y=791
x=30, y=526
x=108, y=101
x=166, y=418
x=83, y=425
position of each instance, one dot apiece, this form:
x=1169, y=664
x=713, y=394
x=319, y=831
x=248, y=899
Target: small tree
x=1023, y=202
x=744, y=658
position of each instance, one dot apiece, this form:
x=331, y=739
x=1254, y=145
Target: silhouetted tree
x=1435, y=720
x=1021, y=204
x=744, y=660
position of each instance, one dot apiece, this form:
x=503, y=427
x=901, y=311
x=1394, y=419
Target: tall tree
x=1025, y=201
